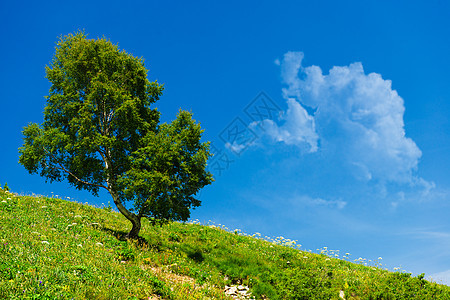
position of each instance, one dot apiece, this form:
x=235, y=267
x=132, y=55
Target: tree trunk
x=133, y=218
x=134, y=232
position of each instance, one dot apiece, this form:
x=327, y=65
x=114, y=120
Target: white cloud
x=298, y=128
x=357, y=117
x=339, y=204
x=235, y=147
x=310, y=201
x=430, y=234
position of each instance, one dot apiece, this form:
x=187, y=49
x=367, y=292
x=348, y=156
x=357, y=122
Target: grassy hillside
x=56, y=249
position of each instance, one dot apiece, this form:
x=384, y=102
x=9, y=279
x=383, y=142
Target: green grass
x=56, y=249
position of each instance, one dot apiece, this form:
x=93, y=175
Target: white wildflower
x=73, y=224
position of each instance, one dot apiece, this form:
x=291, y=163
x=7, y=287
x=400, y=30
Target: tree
x=99, y=131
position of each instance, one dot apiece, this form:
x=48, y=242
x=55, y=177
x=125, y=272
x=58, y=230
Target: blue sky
x=329, y=119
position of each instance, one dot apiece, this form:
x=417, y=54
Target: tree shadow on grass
x=121, y=236
x=191, y=252
x=195, y=255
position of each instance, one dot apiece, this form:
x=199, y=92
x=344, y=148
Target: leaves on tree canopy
x=99, y=131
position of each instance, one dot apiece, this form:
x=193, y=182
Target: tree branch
x=78, y=179
x=61, y=167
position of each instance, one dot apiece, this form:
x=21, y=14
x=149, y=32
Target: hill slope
x=52, y=248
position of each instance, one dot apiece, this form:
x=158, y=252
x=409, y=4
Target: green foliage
x=100, y=131
x=55, y=249
x=108, y=208
x=164, y=186
x=6, y=187
x=98, y=110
